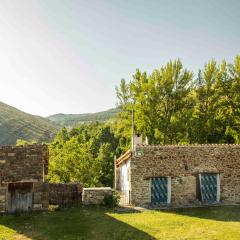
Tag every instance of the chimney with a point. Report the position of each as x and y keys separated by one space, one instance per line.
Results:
x=137 y=139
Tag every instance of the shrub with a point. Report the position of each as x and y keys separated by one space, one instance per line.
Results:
x=112 y=200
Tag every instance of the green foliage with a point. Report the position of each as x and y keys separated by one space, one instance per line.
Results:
x=172 y=106
x=21 y=142
x=84 y=154
x=112 y=201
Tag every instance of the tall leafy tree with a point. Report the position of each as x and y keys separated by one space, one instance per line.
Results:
x=170 y=105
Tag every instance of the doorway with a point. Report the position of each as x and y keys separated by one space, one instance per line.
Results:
x=20 y=197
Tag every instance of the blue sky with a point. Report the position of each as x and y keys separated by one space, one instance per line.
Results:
x=68 y=56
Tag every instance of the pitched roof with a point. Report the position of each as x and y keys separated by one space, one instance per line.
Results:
x=127 y=155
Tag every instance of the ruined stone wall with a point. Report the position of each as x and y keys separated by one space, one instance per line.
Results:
x=2 y=199
x=183 y=163
x=24 y=164
x=65 y=194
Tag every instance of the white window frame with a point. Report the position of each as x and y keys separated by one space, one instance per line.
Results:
x=218 y=188
x=169 y=190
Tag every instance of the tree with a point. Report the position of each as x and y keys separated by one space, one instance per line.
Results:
x=159 y=99
x=22 y=142
x=84 y=154
x=173 y=107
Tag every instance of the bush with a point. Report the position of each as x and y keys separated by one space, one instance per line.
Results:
x=112 y=200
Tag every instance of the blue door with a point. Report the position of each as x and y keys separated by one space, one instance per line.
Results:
x=159 y=190
x=209 y=189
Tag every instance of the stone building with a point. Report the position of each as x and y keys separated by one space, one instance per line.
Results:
x=22 y=173
x=179 y=175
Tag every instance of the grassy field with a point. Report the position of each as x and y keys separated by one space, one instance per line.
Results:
x=99 y=223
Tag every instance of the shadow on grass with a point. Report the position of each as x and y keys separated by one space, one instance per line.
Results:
x=71 y=224
x=217 y=213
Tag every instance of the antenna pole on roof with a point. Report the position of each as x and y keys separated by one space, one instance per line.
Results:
x=132 y=129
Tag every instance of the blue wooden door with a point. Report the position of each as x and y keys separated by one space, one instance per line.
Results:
x=209 y=187
x=159 y=190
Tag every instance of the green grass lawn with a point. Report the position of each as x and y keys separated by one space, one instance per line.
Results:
x=99 y=223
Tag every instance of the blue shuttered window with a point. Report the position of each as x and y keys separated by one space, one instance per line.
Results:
x=159 y=190
x=209 y=187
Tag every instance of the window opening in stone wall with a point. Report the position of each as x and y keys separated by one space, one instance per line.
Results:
x=160 y=188
x=210 y=187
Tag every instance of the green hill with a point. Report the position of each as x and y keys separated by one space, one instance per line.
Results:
x=74 y=119
x=15 y=124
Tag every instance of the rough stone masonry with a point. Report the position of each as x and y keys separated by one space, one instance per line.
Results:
x=22 y=172
x=65 y=194
x=95 y=196
x=182 y=164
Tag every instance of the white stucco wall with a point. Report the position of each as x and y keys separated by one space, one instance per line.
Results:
x=124 y=181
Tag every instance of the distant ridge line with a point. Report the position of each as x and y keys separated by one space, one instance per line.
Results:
x=75 y=119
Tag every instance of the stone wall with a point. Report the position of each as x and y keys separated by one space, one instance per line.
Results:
x=183 y=163
x=65 y=194
x=2 y=199
x=40 y=196
x=95 y=195
x=24 y=164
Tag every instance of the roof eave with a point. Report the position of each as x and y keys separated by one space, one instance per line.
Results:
x=126 y=156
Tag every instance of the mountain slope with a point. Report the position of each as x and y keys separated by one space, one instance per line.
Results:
x=15 y=124
x=74 y=119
